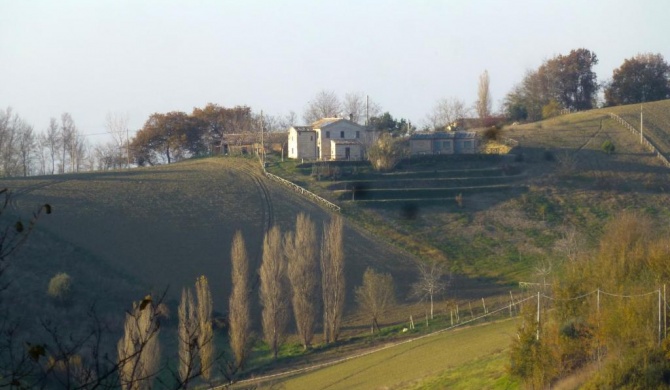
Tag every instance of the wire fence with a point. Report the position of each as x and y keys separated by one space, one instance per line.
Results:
x=643 y=139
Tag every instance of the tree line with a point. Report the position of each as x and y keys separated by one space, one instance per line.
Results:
x=568 y=82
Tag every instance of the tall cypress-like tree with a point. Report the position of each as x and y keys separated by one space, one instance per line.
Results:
x=239 y=315
x=303 y=272
x=273 y=290
x=332 y=278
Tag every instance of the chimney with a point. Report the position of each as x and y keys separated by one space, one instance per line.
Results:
x=351 y=117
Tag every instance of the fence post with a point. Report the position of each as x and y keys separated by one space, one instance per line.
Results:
x=660 y=334
x=537 y=336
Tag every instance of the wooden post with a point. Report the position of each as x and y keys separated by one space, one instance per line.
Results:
x=451 y=315
x=411 y=322
x=484 y=304
x=472 y=316
x=660 y=333
x=537 y=336
x=511 y=297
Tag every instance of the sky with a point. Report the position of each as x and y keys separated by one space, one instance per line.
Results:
x=94 y=57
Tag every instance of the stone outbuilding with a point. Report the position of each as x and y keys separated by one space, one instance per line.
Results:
x=453 y=142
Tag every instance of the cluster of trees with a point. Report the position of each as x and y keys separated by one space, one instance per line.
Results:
x=643 y=78
x=618 y=330
x=568 y=82
x=565 y=81
x=176 y=135
x=60 y=148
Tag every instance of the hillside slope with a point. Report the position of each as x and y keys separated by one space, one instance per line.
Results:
x=161 y=227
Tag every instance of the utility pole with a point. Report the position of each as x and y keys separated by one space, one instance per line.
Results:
x=128 y=148
x=367 y=110
x=641 y=125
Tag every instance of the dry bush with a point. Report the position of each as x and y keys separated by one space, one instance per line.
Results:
x=60 y=287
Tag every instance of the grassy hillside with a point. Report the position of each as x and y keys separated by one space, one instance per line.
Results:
x=124 y=234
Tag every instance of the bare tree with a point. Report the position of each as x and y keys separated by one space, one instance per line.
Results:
x=239 y=316
x=446 y=113
x=68 y=132
x=431 y=282
x=26 y=147
x=332 y=278
x=139 y=349
x=375 y=295
x=188 y=337
x=10 y=124
x=53 y=140
x=117 y=126
x=324 y=105
x=303 y=268
x=360 y=107
x=483 y=104
x=273 y=290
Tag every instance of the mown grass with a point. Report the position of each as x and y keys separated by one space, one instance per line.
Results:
x=423 y=358
x=488 y=372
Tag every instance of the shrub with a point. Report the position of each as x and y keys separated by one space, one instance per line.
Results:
x=608 y=147
x=548 y=155
x=492 y=133
x=386 y=153
x=60 y=287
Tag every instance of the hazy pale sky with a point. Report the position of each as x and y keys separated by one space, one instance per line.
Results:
x=89 y=58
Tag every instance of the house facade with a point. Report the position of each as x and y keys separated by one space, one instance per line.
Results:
x=456 y=142
x=327 y=139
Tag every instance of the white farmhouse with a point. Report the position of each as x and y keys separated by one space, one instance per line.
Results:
x=327 y=139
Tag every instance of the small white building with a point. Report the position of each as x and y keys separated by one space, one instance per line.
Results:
x=327 y=139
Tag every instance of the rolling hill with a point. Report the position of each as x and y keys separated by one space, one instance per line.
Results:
x=123 y=234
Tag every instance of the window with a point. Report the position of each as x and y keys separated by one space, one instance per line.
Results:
x=467 y=144
x=310 y=138
x=341 y=134
x=327 y=134
x=446 y=144
x=358 y=134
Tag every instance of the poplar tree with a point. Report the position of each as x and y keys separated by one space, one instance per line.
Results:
x=273 y=290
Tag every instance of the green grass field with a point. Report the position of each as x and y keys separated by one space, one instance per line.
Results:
x=426 y=363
